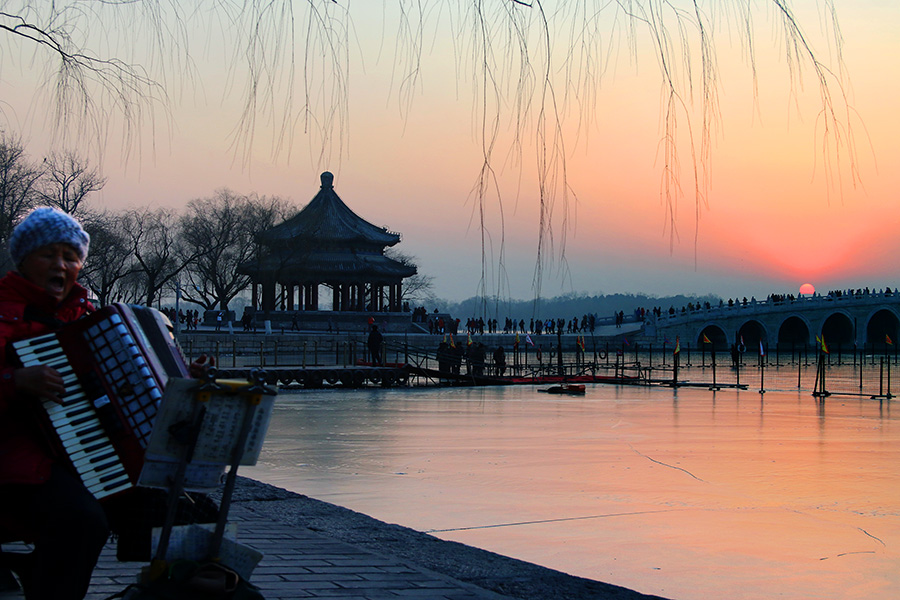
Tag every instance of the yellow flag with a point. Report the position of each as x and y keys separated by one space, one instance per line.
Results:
x=677 y=345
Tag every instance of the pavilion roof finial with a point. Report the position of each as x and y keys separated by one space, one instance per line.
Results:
x=327 y=180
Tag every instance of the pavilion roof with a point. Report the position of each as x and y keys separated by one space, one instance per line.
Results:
x=327 y=220
x=324 y=265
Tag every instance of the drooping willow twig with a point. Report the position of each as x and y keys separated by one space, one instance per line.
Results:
x=533 y=66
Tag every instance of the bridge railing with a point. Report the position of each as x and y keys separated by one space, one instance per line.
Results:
x=753 y=306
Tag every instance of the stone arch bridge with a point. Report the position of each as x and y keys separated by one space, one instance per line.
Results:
x=863 y=321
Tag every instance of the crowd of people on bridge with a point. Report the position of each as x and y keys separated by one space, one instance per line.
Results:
x=773 y=299
x=858 y=293
x=587 y=323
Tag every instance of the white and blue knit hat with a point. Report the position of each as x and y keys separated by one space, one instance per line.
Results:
x=45 y=226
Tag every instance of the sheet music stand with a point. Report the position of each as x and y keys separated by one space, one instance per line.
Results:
x=201 y=428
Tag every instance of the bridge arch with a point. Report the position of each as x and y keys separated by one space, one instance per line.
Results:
x=716 y=335
x=794 y=330
x=752 y=332
x=838 y=329
x=847 y=321
x=882 y=322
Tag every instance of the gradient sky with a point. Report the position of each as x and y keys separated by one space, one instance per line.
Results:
x=771 y=222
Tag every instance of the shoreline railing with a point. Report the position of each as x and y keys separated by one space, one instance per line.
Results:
x=865 y=373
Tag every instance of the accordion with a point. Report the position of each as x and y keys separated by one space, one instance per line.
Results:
x=115 y=363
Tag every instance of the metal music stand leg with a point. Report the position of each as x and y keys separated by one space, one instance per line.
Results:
x=230 y=480
x=158 y=564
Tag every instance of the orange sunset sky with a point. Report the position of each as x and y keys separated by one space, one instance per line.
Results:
x=771 y=221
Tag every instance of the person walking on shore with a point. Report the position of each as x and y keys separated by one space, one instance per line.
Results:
x=500 y=361
x=374 y=343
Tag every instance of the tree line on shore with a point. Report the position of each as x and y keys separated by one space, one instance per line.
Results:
x=143 y=255
x=140 y=255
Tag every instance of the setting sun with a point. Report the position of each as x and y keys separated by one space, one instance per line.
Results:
x=807 y=289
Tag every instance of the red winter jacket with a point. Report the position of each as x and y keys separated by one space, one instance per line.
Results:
x=24 y=456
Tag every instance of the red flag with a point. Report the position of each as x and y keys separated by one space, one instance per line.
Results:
x=888 y=340
x=677 y=345
x=706 y=339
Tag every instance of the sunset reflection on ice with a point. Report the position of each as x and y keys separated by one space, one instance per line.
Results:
x=687 y=495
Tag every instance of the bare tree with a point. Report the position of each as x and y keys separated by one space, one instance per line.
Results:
x=110 y=263
x=153 y=241
x=219 y=234
x=418 y=288
x=18 y=180
x=67 y=181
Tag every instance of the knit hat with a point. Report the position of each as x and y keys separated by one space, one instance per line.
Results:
x=45 y=226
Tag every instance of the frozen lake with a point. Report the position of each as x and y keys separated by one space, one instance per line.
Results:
x=689 y=495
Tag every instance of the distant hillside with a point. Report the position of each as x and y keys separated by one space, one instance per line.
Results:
x=568 y=306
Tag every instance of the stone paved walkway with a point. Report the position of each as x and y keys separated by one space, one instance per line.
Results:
x=300 y=563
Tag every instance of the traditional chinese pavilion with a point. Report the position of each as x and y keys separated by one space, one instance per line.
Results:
x=327 y=244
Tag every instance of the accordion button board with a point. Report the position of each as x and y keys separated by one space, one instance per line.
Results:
x=114 y=385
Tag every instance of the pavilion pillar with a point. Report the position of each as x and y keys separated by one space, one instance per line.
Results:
x=360 y=297
x=335 y=297
x=392 y=298
x=289 y=293
x=254 y=295
x=268 y=295
x=314 y=296
x=398 y=294
x=345 y=296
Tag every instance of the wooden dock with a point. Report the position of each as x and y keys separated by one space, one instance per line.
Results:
x=401 y=375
